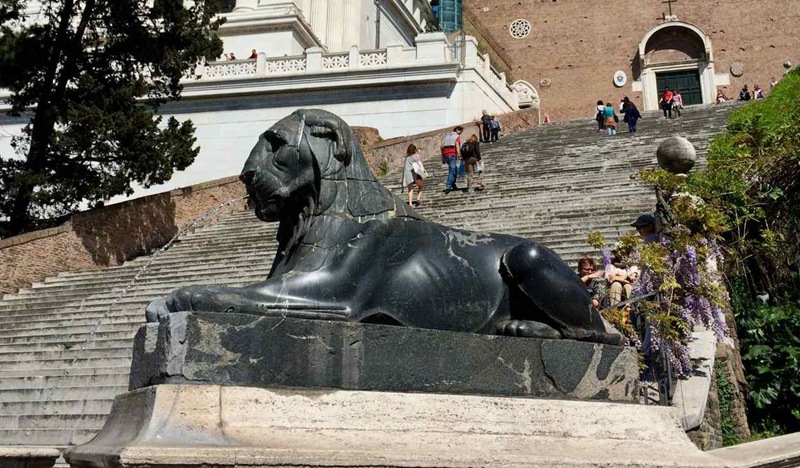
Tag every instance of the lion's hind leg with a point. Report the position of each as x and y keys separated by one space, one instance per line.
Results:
x=560 y=299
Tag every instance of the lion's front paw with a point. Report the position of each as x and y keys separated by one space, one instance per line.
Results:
x=179 y=300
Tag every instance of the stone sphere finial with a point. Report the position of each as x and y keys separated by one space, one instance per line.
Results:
x=676 y=155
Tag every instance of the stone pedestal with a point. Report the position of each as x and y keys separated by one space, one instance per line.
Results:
x=228 y=349
x=28 y=457
x=208 y=425
x=188 y=420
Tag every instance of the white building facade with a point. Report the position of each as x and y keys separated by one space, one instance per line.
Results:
x=323 y=54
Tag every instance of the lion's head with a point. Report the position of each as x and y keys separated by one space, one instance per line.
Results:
x=309 y=164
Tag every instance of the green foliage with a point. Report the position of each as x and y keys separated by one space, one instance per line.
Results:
x=727 y=395
x=748 y=197
x=669 y=183
x=770 y=339
x=626 y=244
x=595 y=239
x=89 y=76
x=753 y=182
x=383 y=168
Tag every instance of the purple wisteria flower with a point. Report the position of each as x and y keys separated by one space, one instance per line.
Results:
x=720 y=326
x=686 y=268
x=606 y=256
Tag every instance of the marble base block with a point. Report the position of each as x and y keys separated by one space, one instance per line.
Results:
x=230 y=349
x=224 y=426
x=28 y=457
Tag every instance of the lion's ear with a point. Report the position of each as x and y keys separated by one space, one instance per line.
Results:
x=327 y=125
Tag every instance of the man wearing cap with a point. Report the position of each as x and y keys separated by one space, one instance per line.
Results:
x=645 y=225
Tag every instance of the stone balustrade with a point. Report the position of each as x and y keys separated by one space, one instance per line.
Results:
x=432 y=49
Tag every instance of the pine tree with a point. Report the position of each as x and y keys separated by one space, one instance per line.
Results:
x=89 y=77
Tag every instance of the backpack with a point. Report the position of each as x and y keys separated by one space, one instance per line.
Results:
x=467 y=149
x=450 y=139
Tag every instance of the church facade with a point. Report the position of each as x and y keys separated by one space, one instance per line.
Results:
x=575 y=52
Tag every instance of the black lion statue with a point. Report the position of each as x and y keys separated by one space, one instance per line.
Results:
x=349 y=250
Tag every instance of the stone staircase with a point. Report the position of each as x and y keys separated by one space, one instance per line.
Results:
x=64 y=355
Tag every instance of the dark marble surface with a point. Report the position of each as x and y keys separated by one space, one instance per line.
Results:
x=233 y=349
x=349 y=250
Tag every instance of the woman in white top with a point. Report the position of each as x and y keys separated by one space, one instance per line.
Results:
x=413 y=174
x=598 y=116
x=677 y=102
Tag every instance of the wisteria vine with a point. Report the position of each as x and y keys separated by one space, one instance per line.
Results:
x=682 y=272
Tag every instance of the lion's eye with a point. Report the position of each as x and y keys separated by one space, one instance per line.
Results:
x=275 y=141
x=282 y=159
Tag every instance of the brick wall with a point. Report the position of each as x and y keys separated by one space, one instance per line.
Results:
x=110 y=235
x=393 y=151
x=579 y=44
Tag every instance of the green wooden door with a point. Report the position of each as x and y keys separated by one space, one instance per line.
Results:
x=688 y=82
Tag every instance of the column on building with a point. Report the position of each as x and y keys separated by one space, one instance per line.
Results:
x=352 y=33
x=334 y=36
x=319 y=18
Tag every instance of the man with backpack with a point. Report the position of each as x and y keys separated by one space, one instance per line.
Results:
x=744 y=94
x=451 y=152
x=486 y=127
x=495 y=129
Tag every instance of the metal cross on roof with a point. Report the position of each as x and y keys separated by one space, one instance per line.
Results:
x=670 y=2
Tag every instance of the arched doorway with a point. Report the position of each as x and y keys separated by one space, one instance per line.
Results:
x=676 y=55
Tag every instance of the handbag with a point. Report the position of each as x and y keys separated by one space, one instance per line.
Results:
x=418 y=169
x=479 y=167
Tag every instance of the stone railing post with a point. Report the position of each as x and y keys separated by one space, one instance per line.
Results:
x=394 y=54
x=487 y=65
x=432 y=47
x=245 y=5
x=354 y=58
x=261 y=64
x=470 y=45
x=313 y=59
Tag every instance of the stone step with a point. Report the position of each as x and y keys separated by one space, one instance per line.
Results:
x=89 y=422
x=203 y=262
x=17 y=408
x=82 y=319
x=77 y=358
x=147 y=292
x=97 y=342
x=60 y=381
x=115 y=286
x=72 y=392
x=82 y=361
x=56 y=335
x=76 y=371
x=247 y=266
x=48 y=437
x=554 y=184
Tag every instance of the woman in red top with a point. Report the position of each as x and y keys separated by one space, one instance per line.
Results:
x=666 y=102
